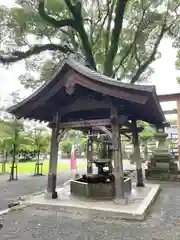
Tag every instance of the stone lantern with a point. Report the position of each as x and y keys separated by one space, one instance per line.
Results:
x=161 y=164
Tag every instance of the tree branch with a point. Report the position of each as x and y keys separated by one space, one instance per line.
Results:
x=51 y=20
x=127 y=65
x=176 y=10
x=139 y=30
x=110 y=12
x=71 y=34
x=76 y=23
x=118 y=21
x=70 y=6
x=99 y=12
x=137 y=57
x=103 y=22
x=143 y=67
x=151 y=58
x=18 y=55
x=79 y=26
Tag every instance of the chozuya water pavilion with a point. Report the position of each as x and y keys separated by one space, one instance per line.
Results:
x=80 y=98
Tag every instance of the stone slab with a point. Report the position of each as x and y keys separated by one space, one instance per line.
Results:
x=139 y=201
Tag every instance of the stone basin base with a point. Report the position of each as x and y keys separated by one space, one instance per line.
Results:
x=97 y=190
x=162 y=174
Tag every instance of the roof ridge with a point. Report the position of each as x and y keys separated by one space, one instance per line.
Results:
x=98 y=76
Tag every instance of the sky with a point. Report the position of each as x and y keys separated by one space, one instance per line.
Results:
x=164 y=77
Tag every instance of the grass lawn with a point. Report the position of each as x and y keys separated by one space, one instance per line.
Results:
x=28 y=167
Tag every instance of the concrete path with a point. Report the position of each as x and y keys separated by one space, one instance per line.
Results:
x=163 y=223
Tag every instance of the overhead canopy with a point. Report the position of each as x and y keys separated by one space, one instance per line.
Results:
x=79 y=93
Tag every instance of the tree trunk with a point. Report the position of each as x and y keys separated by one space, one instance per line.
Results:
x=4 y=162
x=38 y=163
x=13 y=163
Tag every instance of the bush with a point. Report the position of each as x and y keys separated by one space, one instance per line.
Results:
x=66 y=147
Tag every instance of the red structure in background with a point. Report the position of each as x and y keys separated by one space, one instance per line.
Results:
x=169 y=98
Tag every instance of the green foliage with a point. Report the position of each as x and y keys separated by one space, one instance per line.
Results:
x=148 y=131
x=14 y=132
x=77 y=138
x=172 y=144
x=145 y=24
x=41 y=142
x=83 y=144
x=20 y=144
x=24 y=145
x=55 y=6
x=66 y=146
x=172 y=122
x=178 y=64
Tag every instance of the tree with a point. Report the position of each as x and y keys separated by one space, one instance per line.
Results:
x=16 y=139
x=41 y=143
x=5 y=146
x=12 y=139
x=3 y=149
x=178 y=64
x=83 y=144
x=146 y=135
x=176 y=43
x=119 y=38
x=66 y=146
x=76 y=138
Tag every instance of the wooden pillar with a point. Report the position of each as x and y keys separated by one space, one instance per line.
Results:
x=89 y=154
x=137 y=155
x=51 y=186
x=118 y=164
x=178 y=126
x=109 y=150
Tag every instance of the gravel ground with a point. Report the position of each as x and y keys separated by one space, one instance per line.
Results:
x=162 y=223
x=10 y=191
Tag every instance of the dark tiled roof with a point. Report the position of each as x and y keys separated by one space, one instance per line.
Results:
x=88 y=73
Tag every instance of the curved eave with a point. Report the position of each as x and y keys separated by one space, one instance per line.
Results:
x=13 y=108
x=86 y=72
x=67 y=66
x=94 y=75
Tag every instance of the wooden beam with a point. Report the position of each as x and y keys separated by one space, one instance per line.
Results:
x=105 y=130
x=109 y=133
x=85 y=123
x=86 y=103
x=90 y=123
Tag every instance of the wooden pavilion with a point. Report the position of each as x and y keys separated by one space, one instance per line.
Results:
x=80 y=98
